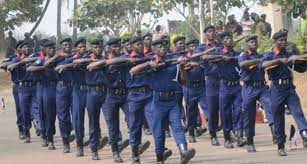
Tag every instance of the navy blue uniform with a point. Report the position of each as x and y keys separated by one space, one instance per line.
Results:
x=283 y=93
x=230 y=100
x=212 y=88
x=253 y=90
x=47 y=102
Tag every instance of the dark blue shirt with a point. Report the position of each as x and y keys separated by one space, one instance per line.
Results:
x=22 y=74
x=230 y=70
x=78 y=72
x=14 y=73
x=47 y=75
x=117 y=75
x=255 y=74
x=97 y=76
x=66 y=75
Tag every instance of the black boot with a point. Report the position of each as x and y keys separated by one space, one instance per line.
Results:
x=80 y=150
x=135 y=155
x=95 y=155
x=160 y=159
x=186 y=155
x=304 y=138
x=103 y=142
x=51 y=144
x=123 y=144
x=167 y=153
x=28 y=137
x=143 y=147
x=214 y=140
x=250 y=145
x=273 y=134
x=281 y=150
x=66 y=146
x=227 y=142
x=116 y=155
x=200 y=130
x=192 y=138
x=71 y=138
x=240 y=140
x=21 y=134
x=37 y=131
x=44 y=141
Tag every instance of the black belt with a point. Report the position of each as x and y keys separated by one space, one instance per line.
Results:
x=230 y=83
x=143 y=89
x=97 y=88
x=255 y=83
x=81 y=87
x=282 y=81
x=196 y=84
x=27 y=83
x=118 y=91
x=166 y=94
x=66 y=84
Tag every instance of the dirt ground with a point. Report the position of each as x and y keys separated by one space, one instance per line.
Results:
x=14 y=151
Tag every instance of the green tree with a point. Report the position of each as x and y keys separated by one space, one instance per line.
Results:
x=14 y=13
x=114 y=16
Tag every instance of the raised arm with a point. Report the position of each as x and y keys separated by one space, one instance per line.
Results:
x=96 y=65
x=141 y=67
x=273 y=63
x=249 y=63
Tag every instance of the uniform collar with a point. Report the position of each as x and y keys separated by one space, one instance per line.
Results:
x=250 y=52
x=147 y=50
x=41 y=54
x=210 y=42
x=46 y=58
x=22 y=56
x=76 y=55
x=134 y=54
x=227 y=50
x=278 y=51
x=189 y=54
x=95 y=57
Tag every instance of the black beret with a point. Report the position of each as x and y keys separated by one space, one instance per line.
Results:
x=113 y=41
x=23 y=43
x=65 y=40
x=160 y=41
x=135 y=39
x=147 y=35
x=80 y=41
x=224 y=34
x=126 y=40
x=251 y=37
x=48 y=43
x=178 y=38
x=279 y=34
x=208 y=27
x=43 y=41
x=192 y=41
x=18 y=44
x=96 y=42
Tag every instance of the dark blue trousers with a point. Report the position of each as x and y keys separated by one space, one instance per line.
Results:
x=63 y=109
x=282 y=95
x=17 y=105
x=110 y=110
x=193 y=97
x=28 y=105
x=166 y=109
x=94 y=101
x=250 y=96
x=212 y=88
x=139 y=104
x=78 y=110
x=49 y=109
x=230 y=102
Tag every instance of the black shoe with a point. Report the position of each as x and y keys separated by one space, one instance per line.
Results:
x=135 y=155
x=80 y=150
x=250 y=148
x=71 y=138
x=233 y=136
x=103 y=142
x=122 y=145
x=27 y=140
x=147 y=131
x=167 y=153
x=215 y=142
x=168 y=134
x=95 y=155
x=186 y=154
x=66 y=146
x=21 y=136
x=200 y=131
x=228 y=144
x=143 y=147
x=282 y=152
x=51 y=146
x=44 y=142
x=116 y=154
x=28 y=137
x=192 y=138
x=86 y=143
x=241 y=142
x=160 y=159
x=37 y=131
x=305 y=143
x=273 y=134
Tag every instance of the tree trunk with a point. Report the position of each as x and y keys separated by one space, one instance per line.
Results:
x=74 y=31
x=2 y=39
x=40 y=18
x=59 y=22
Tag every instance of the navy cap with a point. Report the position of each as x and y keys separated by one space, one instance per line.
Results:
x=48 y=43
x=208 y=27
x=18 y=44
x=192 y=41
x=96 y=42
x=160 y=41
x=80 y=41
x=65 y=40
x=126 y=40
x=135 y=39
x=251 y=37
x=147 y=35
x=42 y=42
x=114 y=41
x=178 y=38
x=279 y=34
x=224 y=34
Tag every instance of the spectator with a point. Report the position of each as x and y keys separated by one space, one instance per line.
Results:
x=259 y=27
x=267 y=25
x=158 y=33
x=10 y=44
x=233 y=26
x=246 y=23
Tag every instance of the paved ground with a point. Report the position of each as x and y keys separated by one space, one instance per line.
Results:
x=14 y=151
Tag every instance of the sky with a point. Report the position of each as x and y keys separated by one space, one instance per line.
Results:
x=48 y=24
